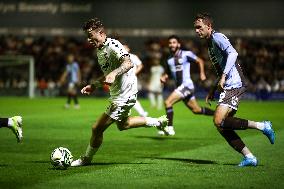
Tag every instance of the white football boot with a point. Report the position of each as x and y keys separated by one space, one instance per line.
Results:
x=82 y=161
x=17 y=127
x=169 y=131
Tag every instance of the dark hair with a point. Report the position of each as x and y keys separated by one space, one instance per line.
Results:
x=93 y=24
x=174 y=37
x=206 y=18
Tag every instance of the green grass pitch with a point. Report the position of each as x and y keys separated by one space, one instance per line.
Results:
x=197 y=157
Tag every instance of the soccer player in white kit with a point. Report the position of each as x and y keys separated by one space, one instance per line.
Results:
x=119 y=74
x=138 y=67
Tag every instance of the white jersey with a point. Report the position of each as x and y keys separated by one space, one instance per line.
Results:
x=109 y=58
x=135 y=59
x=155 y=83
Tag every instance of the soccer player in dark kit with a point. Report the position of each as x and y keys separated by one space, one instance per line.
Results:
x=178 y=65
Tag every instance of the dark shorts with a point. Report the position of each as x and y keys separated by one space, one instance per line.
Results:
x=231 y=97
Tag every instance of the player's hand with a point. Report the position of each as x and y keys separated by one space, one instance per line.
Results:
x=164 y=78
x=110 y=78
x=222 y=82
x=202 y=77
x=87 y=90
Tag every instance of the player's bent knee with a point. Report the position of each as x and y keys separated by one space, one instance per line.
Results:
x=167 y=104
x=196 y=111
x=96 y=130
x=123 y=126
x=217 y=121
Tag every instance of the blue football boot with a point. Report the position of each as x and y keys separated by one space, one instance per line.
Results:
x=268 y=131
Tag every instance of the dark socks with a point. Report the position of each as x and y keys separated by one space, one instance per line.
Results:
x=68 y=99
x=233 y=139
x=233 y=123
x=3 y=122
x=75 y=99
x=207 y=111
x=170 y=115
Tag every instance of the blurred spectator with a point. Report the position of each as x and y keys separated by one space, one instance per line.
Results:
x=42 y=86
x=263 y=89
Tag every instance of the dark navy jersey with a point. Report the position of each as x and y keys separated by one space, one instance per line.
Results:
x=179 y=66
x=223 y=57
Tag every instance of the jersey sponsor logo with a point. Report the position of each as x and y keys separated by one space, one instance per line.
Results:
x=186 y=93
x=178 y=68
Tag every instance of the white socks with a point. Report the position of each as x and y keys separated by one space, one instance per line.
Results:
x=90 y=152
x=260 y=125
x=139 y=109
x=10 y=122
x=152 y=122
x=250 y=155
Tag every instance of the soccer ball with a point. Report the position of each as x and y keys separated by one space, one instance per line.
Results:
x=61 y=158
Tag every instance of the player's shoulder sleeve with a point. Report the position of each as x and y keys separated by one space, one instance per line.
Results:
x=77 y=66
x=221 y=40
x=191 y=57
x=117 y=48
x=68 y=67
x=135 y=59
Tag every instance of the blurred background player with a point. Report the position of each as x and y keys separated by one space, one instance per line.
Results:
x=178 y=65
x=231 y=84
x=73 y=76
x=138 y=67
x=155 y=86
x=15 y=124
x=119 y=74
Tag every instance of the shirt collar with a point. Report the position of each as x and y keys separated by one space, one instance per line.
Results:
x=104 y=43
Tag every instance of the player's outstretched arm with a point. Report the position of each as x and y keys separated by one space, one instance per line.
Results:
x=96 y=84
x=123 y=68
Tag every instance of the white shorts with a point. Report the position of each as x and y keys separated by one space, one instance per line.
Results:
x=121 y=109
x=72 y=87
